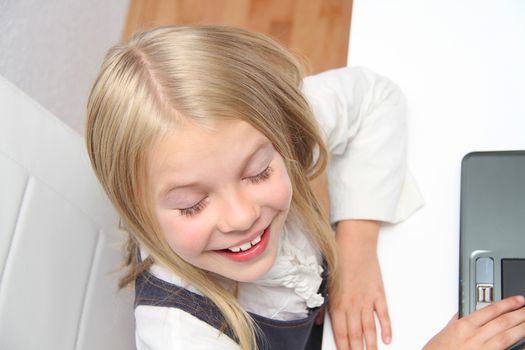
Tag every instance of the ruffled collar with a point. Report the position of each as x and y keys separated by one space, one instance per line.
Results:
x=297 y=266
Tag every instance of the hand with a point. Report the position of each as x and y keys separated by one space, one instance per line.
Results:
x=361 y=293
x=497 y=326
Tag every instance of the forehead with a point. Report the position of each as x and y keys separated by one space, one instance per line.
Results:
x=191 y=150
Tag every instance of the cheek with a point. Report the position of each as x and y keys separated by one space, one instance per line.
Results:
x=280 y=191
x=186 y=238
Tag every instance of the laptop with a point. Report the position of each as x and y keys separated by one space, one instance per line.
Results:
x=492 y=229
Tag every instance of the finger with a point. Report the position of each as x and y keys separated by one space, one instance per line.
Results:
x=339 y=330
x=497 y=327
x=487 y=314
x=508 y=338
x=355 y=331
x=369 y=330
x=453 y=319
x=384 y=320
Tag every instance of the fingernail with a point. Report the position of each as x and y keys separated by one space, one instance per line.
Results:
x=520 y=298
x=388 y=339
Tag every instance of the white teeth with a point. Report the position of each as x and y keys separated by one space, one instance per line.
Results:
x=256 y=240
x=246 y=245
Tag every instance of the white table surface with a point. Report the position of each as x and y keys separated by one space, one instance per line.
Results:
x=461 y=66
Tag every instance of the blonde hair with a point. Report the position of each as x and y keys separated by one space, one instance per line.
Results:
x=200 y=72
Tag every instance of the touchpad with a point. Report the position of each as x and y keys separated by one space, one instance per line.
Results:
x=512 y=277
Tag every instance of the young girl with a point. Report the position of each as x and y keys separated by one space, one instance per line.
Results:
x=203 y=140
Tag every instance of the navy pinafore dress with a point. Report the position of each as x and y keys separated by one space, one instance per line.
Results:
x=299 y=334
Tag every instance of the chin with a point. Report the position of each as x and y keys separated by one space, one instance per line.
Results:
x=251 y=276
x=254 y=272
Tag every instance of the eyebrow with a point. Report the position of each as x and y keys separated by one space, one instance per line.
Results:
x=170 y=187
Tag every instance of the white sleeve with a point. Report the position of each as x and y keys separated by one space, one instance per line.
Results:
x=164 y=328
x=363 y=116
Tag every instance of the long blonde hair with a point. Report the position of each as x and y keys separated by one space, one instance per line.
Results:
x=200 y=72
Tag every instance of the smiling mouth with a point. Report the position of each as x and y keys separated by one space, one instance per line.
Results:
x=244 y=247
x=248 y=250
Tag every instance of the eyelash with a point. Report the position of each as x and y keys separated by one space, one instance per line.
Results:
x=194 y=209
x=264 y=175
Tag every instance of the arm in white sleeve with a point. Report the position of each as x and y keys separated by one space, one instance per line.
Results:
x=363 y=116
x=164 y=328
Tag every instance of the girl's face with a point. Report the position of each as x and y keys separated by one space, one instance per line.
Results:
x=221 y=196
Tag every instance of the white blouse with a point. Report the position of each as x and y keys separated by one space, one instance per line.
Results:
x=363 y=116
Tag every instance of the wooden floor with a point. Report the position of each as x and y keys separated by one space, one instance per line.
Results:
x=316 y=30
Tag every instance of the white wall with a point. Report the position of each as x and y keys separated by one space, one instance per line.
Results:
x=462 y=67
x=52 y=49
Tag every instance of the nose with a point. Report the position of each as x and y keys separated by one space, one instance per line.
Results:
x=238 y=211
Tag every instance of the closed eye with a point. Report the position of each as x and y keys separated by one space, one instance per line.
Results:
x=195 y=209
x=262 y=176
